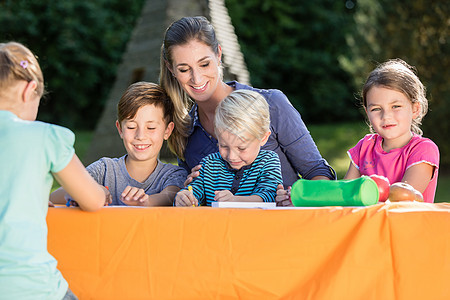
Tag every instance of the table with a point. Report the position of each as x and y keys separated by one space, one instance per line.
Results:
x=384 y=251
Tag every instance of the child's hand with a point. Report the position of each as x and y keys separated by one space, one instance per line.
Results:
x=185 y=198
x=70 y=201
x=194 y=173
x=283 y=197
x=50 y=204
x=224 y=196
x=134 y=196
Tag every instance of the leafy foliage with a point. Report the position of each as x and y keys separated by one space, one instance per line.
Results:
x=79 y=45
x=296 y=46
x=317 y=52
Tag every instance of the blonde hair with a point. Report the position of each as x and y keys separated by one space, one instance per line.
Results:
x=17 y=62
x=243 y=111
x=397 y=75
x=178 y=33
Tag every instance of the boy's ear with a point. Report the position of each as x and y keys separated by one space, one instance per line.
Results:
x=169 y=130
x=265 y=138
x=119 y=128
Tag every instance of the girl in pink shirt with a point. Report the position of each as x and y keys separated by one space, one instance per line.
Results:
x=395 y=103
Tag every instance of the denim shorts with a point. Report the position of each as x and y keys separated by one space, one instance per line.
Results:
x=69 y=295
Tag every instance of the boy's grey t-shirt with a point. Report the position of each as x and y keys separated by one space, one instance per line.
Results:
x=112 y=172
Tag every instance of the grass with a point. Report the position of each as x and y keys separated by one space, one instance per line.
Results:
x=333 y=141
x=82 y=142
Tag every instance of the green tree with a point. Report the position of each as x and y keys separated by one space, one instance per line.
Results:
x=79 y=45
x=296 y=46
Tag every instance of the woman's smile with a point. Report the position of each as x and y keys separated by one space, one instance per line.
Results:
x=196 y=68
x=200 y=88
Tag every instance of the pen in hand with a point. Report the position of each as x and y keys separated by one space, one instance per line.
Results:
x=190 y=190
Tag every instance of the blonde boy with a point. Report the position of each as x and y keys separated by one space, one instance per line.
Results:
x=240 y=171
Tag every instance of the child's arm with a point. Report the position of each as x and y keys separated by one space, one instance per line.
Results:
x=185 y=198
x=165 y=197
x=352 y=172
x=58 y=197
x=139 y=198
x=418 y=176
x=194 y=192
x=76 y=181
x=355 y=155
x=225 y=195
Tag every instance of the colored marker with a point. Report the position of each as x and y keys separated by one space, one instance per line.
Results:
x=190 y=190
x=107 y=204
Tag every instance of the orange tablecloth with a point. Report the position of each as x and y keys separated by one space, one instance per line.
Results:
x=392 y=251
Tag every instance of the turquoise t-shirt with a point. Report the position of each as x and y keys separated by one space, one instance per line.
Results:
x=29 y=153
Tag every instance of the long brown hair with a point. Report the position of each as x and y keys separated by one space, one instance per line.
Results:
x=180 y=33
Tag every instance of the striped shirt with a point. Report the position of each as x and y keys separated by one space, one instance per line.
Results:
x=259 y=178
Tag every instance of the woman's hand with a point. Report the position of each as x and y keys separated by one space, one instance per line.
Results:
x=194 y=173
x=185 y=198
x=283 y=197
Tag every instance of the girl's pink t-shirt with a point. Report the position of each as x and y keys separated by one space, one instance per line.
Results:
x=369 y=158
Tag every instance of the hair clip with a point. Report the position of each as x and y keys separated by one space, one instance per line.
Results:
x=24 y=64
